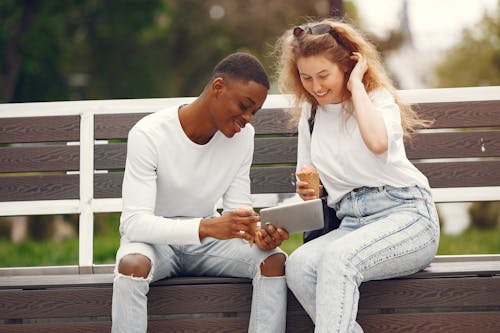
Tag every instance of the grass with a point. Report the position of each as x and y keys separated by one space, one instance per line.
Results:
x=471 y=241
x=47 y=253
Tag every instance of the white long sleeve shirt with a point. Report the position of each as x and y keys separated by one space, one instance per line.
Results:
x=171 y=183
x=343 y=161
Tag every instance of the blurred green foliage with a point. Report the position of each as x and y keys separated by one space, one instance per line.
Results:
x=87 y=49
x=475 y=59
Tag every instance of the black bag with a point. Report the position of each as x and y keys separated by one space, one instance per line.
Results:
x=329 y=214
x=331 y=223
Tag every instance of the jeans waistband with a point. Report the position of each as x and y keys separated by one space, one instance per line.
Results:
x=368 y=188
x=387 y=187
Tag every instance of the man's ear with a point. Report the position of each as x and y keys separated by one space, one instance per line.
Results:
x=218 y=86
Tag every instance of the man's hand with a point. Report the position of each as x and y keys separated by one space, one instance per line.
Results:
x=269 y=237
x=240 y=223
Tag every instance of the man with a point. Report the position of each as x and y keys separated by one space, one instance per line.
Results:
x=180 y=162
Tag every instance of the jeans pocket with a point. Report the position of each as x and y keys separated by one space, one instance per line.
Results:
x=401 y=194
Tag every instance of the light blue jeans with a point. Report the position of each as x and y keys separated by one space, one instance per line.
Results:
x=385 y=232
x=213 y=257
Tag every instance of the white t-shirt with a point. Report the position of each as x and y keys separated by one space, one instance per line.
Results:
x=170 y=182
x=338 y=152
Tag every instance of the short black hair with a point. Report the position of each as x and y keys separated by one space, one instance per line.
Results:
x=242 y=66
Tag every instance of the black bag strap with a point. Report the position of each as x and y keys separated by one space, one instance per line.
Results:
x=314 y=107
x=312 y=117
x=329 y=215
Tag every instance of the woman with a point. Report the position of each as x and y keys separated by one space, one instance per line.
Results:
x=389 y=222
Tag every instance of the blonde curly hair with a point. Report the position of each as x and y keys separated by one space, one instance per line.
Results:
x=346 y=39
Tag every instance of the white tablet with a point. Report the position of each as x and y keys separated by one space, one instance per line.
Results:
x=296 y=217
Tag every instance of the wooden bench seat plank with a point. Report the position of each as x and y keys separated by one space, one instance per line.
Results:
x=430 y=293
x=115 y=126
x=461 y=174
x=273 y=121
x=43 y=158
x=465 y=322
x=96 y=301
x=279 y=179
x=222 y=325
x=264 y=180
x=73 y=327
x=284 y=149
x=39 y=187
x=31 y=282
x=454 y=145
x=461 y=114
x=110 y=156
x=276 y=121
x=40 y=129
x=267 y=150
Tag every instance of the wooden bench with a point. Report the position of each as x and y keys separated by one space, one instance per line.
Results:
x=78 y=169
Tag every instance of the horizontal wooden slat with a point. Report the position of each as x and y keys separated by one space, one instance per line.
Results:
x=200 y=299
x=468 y=322
x=115 y=126
x=462 y=322
x=110 y=156
x=215 y=325
x=278 y=179
x=484 y=322
x=461 y=114
x=40 y=129
x=96 y=301
x=43 y=158
x=461 y=174
x=108 y=185
x=264 y=180
x=454 y=145
x=69 y=280
x=299 y=322
x=267 y=150
x=425 y=294
x=272 y=180
x=273 y=121
x=43 y=187
x=275 y=150
x=430 y=293
x=74 y=326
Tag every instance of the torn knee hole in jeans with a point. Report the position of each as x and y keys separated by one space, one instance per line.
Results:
x=135 y=278
x=149 y=278
x=271 y=265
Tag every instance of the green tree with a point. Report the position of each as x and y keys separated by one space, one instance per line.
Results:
x=87 y=49
x=475 y=59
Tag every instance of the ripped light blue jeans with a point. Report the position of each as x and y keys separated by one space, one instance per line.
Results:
x=385 y=232
x=213 y=257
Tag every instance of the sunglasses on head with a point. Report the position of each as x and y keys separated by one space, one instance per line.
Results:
x=318 y=29
x=321 y=29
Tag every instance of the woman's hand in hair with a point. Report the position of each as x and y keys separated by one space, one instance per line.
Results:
x=358 y=71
